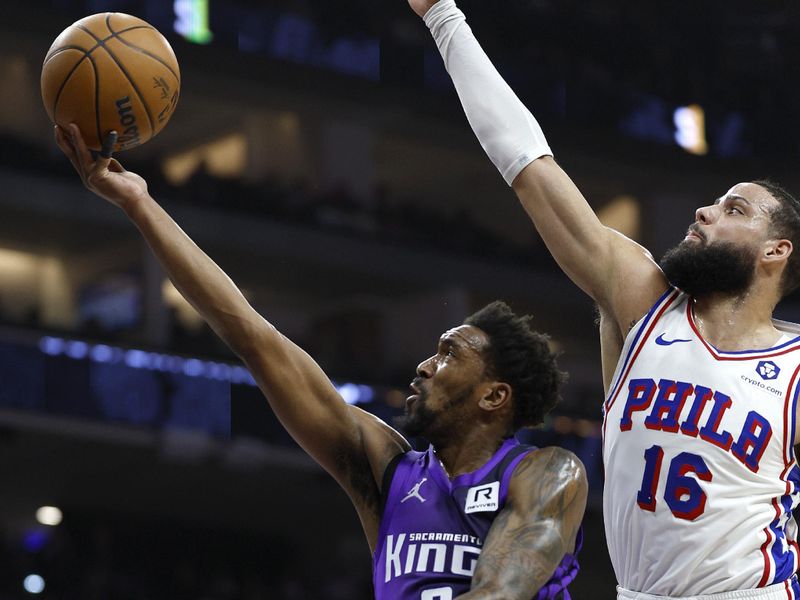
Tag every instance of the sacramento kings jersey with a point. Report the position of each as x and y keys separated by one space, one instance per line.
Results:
x=701 y=476
x=433 y=529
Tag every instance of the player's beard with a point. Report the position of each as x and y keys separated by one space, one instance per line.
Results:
x=419 y=420
x=699 y=269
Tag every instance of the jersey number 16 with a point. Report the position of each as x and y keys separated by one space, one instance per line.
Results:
x=683 y=494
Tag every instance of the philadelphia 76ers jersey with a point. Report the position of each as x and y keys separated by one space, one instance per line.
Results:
x=701 y=476
x=432 y=529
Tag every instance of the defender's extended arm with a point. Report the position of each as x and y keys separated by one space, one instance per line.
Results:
x=615 y=271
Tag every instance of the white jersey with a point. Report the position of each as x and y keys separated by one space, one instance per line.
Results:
x=701 y=476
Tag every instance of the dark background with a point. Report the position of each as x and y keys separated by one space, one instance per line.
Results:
x=320 y=155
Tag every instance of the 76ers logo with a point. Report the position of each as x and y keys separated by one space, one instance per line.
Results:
x=768 y=370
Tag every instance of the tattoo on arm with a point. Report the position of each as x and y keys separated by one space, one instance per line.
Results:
x=536 y=528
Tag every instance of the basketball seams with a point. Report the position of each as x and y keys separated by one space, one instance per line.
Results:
x=96 y=90
x=97 y=45
x=118 y=35
x=158 y=59
x=67 y=83
x=66 y=80
x=128 y=77
x=96 y=98
x=61 y=49
x=127 y=29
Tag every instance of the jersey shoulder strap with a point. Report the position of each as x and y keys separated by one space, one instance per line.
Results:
x=388 y=475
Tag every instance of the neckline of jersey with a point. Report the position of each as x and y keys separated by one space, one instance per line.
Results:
x=718 y=354
x=473 y=477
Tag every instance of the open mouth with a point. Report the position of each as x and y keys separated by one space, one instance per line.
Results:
x=415 y=391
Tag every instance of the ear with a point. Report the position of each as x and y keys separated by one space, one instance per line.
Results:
x=496 y=395
x=778 y=250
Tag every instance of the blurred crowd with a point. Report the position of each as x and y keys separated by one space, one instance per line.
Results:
x=92 y=558
x=610 y=64
x=382 y=217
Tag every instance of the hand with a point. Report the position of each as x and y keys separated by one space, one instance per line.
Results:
x=421 y=6
x=101 y=174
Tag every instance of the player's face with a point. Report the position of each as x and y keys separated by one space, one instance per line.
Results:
x=741 y=216
x=446 y=384
x=721 y=248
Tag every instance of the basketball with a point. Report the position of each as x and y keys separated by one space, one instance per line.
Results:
x=111 y=71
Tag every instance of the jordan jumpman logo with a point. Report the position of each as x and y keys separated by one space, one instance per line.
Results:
x=414 y=491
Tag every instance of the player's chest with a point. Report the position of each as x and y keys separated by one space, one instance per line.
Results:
x=678 y=393
x=425 y=505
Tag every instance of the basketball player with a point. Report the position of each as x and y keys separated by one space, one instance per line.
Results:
x=700 y=413
x=477 y=516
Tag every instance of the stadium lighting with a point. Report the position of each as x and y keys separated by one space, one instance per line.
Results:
x=191 y=20
x=33 y=584
x=690 y=129
x=49 y=515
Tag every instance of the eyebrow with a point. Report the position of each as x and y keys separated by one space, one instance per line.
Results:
x=736 y=196
x=452 y=341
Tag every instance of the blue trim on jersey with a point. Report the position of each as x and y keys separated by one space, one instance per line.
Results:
x=769 y=350
x=793 y=417
x=794 y=478
x=795 y=586
x=642 y=327
x=782 y=553
x=764 y=351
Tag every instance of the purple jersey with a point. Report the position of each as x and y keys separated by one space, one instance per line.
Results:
x=432 y=529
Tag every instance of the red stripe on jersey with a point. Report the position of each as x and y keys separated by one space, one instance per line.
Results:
x=713 y=351
x=764 y=546
x=624 y=375
x=789 y=417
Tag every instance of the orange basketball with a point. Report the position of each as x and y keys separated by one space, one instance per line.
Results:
x=111 y=71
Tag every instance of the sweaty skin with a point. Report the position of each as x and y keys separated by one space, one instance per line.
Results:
x=547 y=493
x=732 y=312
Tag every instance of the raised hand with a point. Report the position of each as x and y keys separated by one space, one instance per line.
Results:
x=421 y=6
x=101 y=174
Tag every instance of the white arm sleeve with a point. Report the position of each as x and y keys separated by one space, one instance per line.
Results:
x=509 y=134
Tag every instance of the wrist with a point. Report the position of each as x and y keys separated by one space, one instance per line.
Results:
x=440 y=11
x=135 y=205
x=507 y=131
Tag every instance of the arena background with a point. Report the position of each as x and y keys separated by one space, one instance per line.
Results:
x=319 y=154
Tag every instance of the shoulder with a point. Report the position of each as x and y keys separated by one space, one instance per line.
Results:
x=373 y=426
x=380 y=443
x=638 y=285
x=550 y=459
x=787 y=327
x=546 y=473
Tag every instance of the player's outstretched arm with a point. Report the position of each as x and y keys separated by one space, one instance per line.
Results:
x=616 y=272
x=352 y=445
x=536 y=528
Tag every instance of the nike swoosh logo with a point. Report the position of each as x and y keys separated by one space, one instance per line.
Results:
x=662 y=342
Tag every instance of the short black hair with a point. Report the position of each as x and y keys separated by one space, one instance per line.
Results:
x=521 y=357
x=785 y=224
